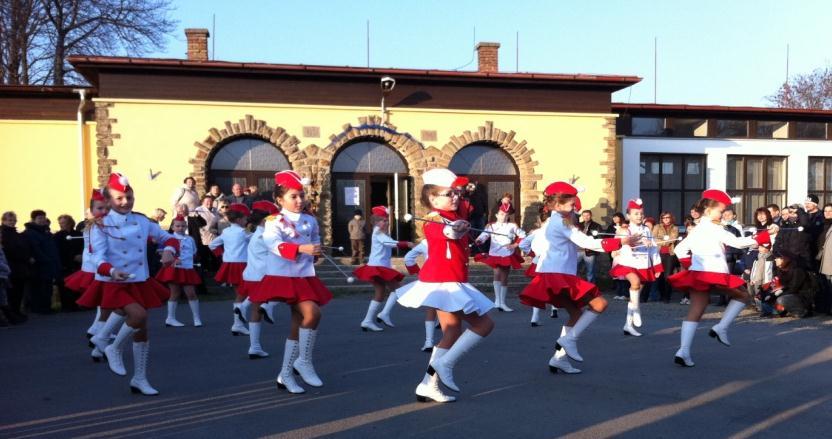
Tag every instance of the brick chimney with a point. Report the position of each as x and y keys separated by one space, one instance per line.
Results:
x=197 y=44
x=487 y=57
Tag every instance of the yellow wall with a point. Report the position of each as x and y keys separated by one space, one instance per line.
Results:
x=41 y=168
x=160 y=136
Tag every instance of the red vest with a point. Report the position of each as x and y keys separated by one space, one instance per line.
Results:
x=447 y=259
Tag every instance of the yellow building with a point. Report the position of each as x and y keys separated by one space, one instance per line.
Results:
x=361 y=142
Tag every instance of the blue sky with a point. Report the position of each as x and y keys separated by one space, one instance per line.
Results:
x=730 y=52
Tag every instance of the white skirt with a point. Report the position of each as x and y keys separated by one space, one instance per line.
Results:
x=444 y=296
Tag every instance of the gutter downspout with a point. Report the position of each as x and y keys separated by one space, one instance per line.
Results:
x=82 y=94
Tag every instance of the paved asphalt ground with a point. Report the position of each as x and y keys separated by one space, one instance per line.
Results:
x=776 y=381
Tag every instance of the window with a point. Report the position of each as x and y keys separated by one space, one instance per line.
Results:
x=648 y=126
x=731 y=128
x=671 y=182
x=493 y=170
x=369 y=158
x=810 y=130
x=249 y=162
x=688 y=127
x=772 y=130
x=758 y=180
x=820 y=178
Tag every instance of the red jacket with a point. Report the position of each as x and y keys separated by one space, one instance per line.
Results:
x=447 y=259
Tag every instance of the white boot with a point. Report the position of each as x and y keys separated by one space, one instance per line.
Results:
x=240 y=311
x=683 y=357
x=634 y=303
x=569 y=342
x=384 y=315
x=497 y=302
x=560 y=361
x=139 y=383
x=720 y=330
x=503 y=294
x=428 y=389
x=255 y=351
x=629 y=329
x=238 y=328
x=430 y=329
x=286 y=379
x=115 y=351
x=102 y=338
x=535 y=317
x=96 y=355
x=171 y=320
x=444 y=366
x=194 y=304
x=267 y=311
x=96 y=324
x=304 y=366
x=369 y=324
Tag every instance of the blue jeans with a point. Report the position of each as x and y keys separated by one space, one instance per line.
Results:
x=589 y=261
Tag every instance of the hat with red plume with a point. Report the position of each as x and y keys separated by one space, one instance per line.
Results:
x=97 y=195
x=635 y=204
x=239 y=207
x=265 y=206
x=290 y=180
x=719 y=195
x=118 y=182
x=380 y=211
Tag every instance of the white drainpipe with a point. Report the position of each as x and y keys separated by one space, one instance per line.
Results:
x=82 y=93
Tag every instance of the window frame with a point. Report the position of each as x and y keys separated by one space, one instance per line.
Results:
x=746 y=217
x=703 y=160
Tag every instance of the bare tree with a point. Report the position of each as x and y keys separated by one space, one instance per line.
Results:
x=810 y=91
x=21 y=41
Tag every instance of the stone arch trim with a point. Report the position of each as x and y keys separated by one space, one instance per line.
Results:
x=519 y=151
x=246 y=127
x=415 y=156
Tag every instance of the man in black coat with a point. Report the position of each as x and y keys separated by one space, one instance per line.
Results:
x=47 y=265
x=792 y=240
x=587 y=226
x=19 y=254
x=69 y=251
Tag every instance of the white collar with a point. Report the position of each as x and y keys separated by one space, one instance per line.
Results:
x=292 y=216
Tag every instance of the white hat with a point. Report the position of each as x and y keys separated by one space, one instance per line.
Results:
x=440 y=177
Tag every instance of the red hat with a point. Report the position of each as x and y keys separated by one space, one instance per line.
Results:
x=238 y=207
x=719 y=195
x=577 y=204
x=290 y=179
x=763 y=239
x=118 y=182
x=635 y=204
x=265 y=206
x=380 y=211
x=460 y=182
x=561 y=187
x=97 y=195
x=179 y=218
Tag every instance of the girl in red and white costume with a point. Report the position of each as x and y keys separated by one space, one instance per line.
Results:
x=556 y=282
x=379 y=270
x=256 y=258
x=443 y=285
x=412 y=265
x=83 y=278
x=293 y=240
x=502 y=253
x=709 y=271
x=181 y=276
x=636 y=264
x=118 y=248
x=234 y=240
x=525 y=246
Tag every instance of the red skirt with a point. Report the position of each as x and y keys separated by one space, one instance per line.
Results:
x=79 y=281
x=115 y=295
x=371 y=273
x=644 y=274
x=502 y=262
x=531 y=271
x=230 y=273
x=248 y=287
x=557 y=289
x=179 y=276
x=291 y=290
x=703 y=281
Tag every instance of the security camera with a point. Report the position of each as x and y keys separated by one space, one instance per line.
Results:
x=387 y=84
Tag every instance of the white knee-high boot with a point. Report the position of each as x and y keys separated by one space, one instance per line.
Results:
x=498 y=288
x=430 y=330
x=239 y=325
x=115 y=351
x=384 y=315
x=255 y=351
x=636 y=307
x=141 y=358
x=720 y=330
x=102 y=338
x=286 y=379
x=96 y=324
x=560 y=361
x=444 y=366
x=569 y=342
x=369 y=323
x=503 y=294
x=683 y=357
x=428 y=389
x=535 y=317
x=304 y=366
x=171 y=320
x=194 y=305
x=629 y=329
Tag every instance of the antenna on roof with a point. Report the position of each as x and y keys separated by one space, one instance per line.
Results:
x=787 y=63
x=368 y=44
x=655 y=67
x=517 y=52
x=214 y=37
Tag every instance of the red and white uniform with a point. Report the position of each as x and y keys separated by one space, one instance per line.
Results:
x=257 y=255
x=525 y=246
x=706 y=246
x=379 y=267
x=557 y=248
x=643 y=260
x=290 y=275
x=181 y=273
x=234 y=240
x=443 y=279
x=119 y=243
x=498 y=254
x=81 y=279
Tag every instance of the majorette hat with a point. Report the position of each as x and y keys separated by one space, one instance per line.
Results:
x=241 y=208
x=290 y=179
x=562 y=187
x=179 y=218
x=118 y=182
x=635 y=204
x=265 y=206
x=719 y=195
x=577 y=204
x=443 y=177
x=97 y=195
x=380 y=211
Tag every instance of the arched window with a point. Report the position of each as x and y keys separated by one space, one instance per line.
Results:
x=249 y=162
x=494 y=172
x=369 y=158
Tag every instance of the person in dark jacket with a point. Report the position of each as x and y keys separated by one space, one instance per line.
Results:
x=587 y=257
x=19 y=254
x=791 y=238
x=69 y=251
x=792 y=291
x=47 y=266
